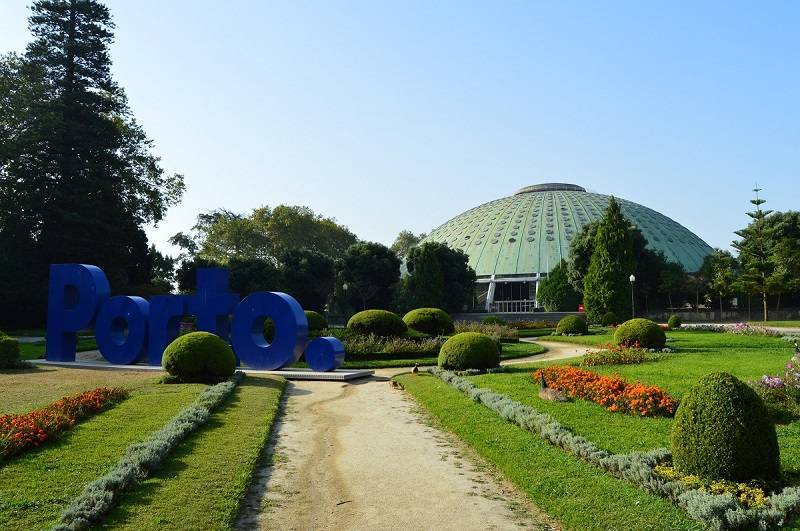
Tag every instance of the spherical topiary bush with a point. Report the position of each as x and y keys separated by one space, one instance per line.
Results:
x=469 y=350
x=432 y=321
x=643 y=332
x=199 y=357
x=492 y=320
x=674 y=322
x=609 y=319
x=379 y=322
x=572 y=325
x=9 y=352
x=722 y=431
x=316 y=321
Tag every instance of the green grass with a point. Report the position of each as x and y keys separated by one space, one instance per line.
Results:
x=536 y=332
x=34 y=351
x=777 y=324
x=202 y=484
x=747 y=357
x=38 y=485
x=577 y=494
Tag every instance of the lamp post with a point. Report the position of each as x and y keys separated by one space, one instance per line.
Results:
x=632 y=278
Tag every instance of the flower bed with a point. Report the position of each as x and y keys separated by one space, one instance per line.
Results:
x=29 y=430
x=617 y=355
x=611 y=392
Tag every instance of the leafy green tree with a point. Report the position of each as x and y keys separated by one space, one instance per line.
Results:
x=580 y=254
x=755 y=251
x=672 y=280
x=556 y=293
x=309 y=277
x=248 y=275
x=186 y=273
x=406 y=241
x=784 y=227
x=439 y=277
x=719 y=270
x=606 y=284
x=77 y=175
x=368 y=273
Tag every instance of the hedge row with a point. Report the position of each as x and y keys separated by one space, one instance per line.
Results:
x=718 y=511
x=99 y=496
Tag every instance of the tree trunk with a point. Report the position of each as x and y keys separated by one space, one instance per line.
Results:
x=669 y=300
x=766 y=308
x=778 y=306
x=720 y=306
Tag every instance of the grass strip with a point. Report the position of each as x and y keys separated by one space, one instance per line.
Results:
x=717 y=511
x=203 y=483
x=580 y=496
x=36 y=486
x=140 y=459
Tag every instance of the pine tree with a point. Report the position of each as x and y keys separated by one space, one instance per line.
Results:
x=605 y=288
x=755 y=250
x=555 y=292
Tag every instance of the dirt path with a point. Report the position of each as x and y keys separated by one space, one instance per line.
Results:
x=361 y=456
x=555 y=351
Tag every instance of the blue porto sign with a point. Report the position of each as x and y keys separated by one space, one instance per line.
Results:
x=130 y=329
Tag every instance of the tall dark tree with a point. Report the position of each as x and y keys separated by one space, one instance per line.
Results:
x=606 y=286
x=755 y=251
x=440 y=277
x=73 y=157
x=720 y=271
x=672 y=281
x=309 y=277
x=370 y=272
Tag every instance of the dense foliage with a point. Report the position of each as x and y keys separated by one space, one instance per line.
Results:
x=674 y=322
x=406 y=241
x=609 y=319
x=308 y=276
x=572 y=325
x=381 y=323
x=493 y=320
x=199 y=357
x=9 y=352
x=316 y=321
x=431 y=321
x=78 y=180
x=22 y=432
x=722 y=431
x=438 y=277
x=368 y=273
x=555 y=292
x=606 y=285
x=611 y=392
x=469 y=350
x=640 y=332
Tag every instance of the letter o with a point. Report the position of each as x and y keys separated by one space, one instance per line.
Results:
x=116 y=315
x=325 y=354
x=291 y=330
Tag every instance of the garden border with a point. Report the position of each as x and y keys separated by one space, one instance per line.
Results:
x=99 y=496
x=718 y=511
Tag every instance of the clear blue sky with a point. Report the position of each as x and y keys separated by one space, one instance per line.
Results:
x=391 y=116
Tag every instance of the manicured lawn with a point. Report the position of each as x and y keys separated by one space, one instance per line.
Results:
x=37 y=486
x=777 y=324
x=34 y=351
x=747 y=357
x=202 y=484
x=577 y=494
x=24 y=390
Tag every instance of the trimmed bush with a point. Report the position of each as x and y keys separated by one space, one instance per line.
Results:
x=316 y=321
x=572 y=325
x=643 y=332
x=431 y=321
x=199 y=357
x=469 y=350
x=493 y=320
x=9 y=352
x=674 y=322
x=722 y=430
x=609 y=319
x=378 y=322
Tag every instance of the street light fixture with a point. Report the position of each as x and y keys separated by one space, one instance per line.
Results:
x=632 y=278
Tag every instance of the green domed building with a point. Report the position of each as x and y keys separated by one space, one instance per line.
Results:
x=513 y=242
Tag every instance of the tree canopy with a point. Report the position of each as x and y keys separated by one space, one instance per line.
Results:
x=439 y=277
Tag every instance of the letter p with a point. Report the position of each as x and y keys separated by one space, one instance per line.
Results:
x=75 y=293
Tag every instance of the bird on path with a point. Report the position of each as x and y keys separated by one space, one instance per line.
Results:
x=415 y=370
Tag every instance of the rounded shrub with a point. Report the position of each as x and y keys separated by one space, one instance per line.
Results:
x=609 y=319
x=572 y=325
x=431 y=321
x=199 y=357
x=9 y=352
x=492 y=320
x=674 y=322
x=642 y=331
x=378 y=322
x=722 y=430
x=316 y=321
x=469 y=350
